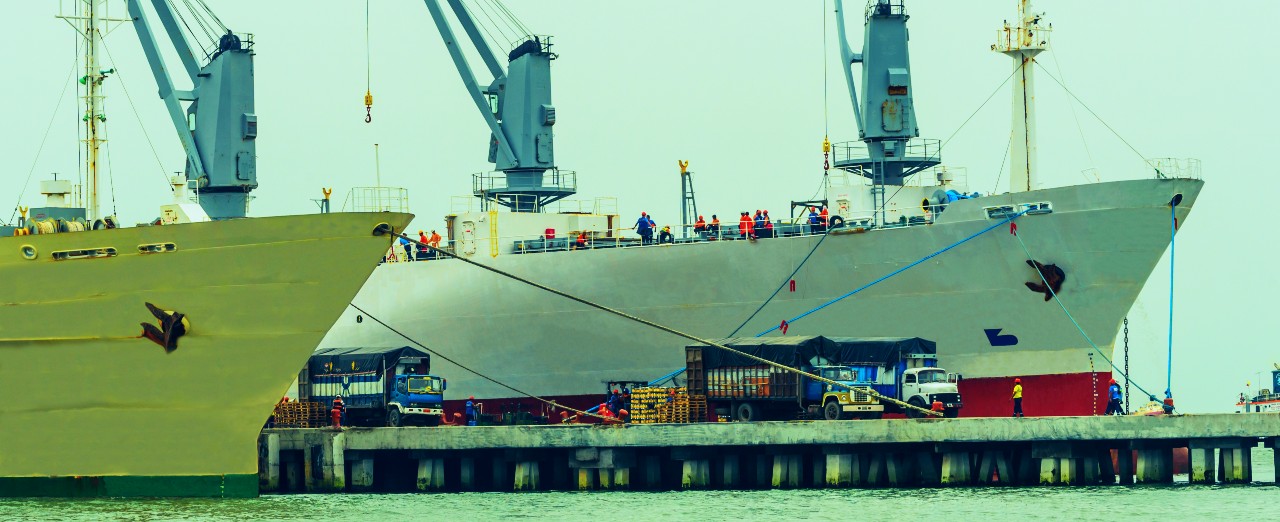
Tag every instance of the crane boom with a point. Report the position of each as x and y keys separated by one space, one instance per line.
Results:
x=218 y=128
x=516 y=106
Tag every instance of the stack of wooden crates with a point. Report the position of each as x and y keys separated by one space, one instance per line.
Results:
x=650 y=405
x=301 y=414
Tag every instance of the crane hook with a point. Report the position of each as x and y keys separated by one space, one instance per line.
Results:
x=368 y=106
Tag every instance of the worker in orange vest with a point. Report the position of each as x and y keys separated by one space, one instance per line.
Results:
x=339 y=412
x=700 y=225
x=822 y=217
x=581 y=241
x=714 y=228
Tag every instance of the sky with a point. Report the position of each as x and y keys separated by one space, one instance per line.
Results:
x=745 y=91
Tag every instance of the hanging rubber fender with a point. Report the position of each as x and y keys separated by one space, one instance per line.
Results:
x=836 y=222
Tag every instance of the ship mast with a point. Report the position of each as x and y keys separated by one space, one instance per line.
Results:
x=1022 y=43
x=91 y=23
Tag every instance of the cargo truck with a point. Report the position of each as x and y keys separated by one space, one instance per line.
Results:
x=900 y=368
x=380 y=386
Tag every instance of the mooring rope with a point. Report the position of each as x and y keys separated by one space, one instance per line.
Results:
x=1173 y=232
x=1080 y=329
x=786 y=280
x=678 y=333
x=481 y=375
x=894 y=273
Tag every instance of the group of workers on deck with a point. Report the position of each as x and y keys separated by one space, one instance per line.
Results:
x=749 y=227
x=423 y=253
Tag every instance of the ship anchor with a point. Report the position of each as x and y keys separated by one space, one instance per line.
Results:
x=1050 y=274
x=172 y=326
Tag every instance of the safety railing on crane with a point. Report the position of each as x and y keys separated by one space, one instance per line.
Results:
x=915 y=149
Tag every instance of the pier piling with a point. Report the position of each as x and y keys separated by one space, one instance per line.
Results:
x=1070 y=451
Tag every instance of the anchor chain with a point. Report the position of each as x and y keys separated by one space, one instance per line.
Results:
x=1094 y=374
x=1126 y=365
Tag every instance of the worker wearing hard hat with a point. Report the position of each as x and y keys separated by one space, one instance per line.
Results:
x=1017 y=397
x=1113 y=399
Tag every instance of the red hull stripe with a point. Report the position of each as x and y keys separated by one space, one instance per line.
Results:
x=1056 y=395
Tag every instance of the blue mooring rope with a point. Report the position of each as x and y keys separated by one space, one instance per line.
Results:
x=784 y=283
x=863 y=287
x=1173 y=232
x=1056 y=299
x=896 y=272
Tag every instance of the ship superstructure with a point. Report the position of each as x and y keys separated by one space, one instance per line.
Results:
x=143 y=361
x=960 y=275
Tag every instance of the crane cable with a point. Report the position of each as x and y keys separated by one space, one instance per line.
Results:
x=368 y=69
x=678 y=333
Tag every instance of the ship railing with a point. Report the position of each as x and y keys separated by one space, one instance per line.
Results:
x=936 y=176
x=552 y=179
x=601 y=206
x=628 y=238
x=885 y=7
x=376 y=199
x=1178 y=168
x=915 y=148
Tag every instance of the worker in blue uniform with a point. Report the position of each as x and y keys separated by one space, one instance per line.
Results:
x=644 y=227
x=1113 y=399
x=471 y=410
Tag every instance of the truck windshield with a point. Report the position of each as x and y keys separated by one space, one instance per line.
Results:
x=928 y=376
x=839 y=374
x=424 y=385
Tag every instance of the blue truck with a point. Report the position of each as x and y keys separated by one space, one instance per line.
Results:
x=748 y=390
x=379 y=386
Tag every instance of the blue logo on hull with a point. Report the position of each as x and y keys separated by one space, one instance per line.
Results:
x=994 y=337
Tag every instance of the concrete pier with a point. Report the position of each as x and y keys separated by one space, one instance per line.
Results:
x=1061 y=451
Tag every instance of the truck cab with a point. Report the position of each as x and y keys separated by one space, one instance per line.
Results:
x=843 y=403
x=921 y=386
x=416 y=395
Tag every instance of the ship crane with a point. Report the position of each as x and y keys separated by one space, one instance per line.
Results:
x=218 y=127
x=890 y=148
x=517 y=107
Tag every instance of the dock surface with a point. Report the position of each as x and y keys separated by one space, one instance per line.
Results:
x=863 y=453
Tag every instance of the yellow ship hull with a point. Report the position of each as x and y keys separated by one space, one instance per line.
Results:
x=89 y=406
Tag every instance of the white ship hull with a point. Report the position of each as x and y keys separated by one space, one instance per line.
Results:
x=1107 y=237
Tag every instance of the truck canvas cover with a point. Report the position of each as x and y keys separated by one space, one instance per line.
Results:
x=346 y=361
x=799 y=350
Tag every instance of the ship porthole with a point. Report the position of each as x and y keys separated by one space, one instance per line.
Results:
x=359 y=318
x=29 y=251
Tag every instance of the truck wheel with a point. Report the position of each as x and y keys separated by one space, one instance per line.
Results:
x=393 y=418
x=951 y=413
x=746 y=412
x=919 y=403
x=833 y=411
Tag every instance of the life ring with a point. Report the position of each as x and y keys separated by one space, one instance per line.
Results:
x=836 y=222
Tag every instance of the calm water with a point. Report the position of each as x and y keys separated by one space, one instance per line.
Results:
x=1178 y=502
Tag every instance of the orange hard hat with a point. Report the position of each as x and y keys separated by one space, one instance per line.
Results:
x=643 y=214
x=1113 y=381
x=471 y=397
x=1017 y=381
